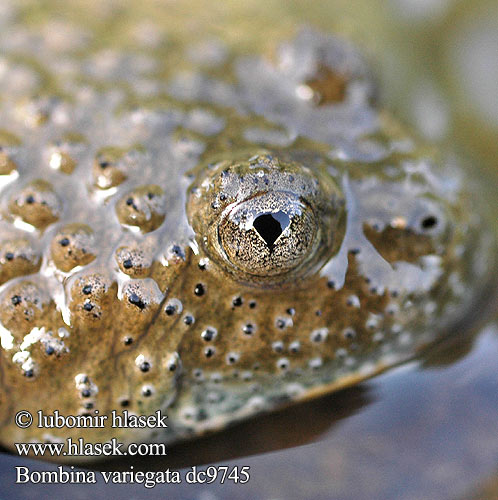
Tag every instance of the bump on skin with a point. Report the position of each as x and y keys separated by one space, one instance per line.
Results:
x=37 y=204
x=112 y=166
x=144 y=207
x=7 y=164
x=135 y=261
x=62 y=155
x=73 y=245
x=18 y=257
x=25 y=305
x=92 y=301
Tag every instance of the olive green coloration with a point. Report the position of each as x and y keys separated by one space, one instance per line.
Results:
x=211 y=232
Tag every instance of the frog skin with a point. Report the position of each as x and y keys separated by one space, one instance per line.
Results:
x=214 y=240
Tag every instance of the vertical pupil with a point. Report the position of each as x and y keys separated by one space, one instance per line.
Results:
x=270 y=226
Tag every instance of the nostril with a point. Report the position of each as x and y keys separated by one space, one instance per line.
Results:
x=270 y=226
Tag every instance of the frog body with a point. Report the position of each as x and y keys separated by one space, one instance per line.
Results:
x=215 y=241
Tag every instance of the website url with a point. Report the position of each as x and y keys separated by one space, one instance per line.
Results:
x=81 y=448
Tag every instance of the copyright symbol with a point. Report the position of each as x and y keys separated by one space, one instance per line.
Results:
x=23 y=419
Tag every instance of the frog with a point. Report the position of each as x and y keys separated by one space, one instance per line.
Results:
x=209 y=234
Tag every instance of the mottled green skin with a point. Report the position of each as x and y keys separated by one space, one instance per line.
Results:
x=119 y=285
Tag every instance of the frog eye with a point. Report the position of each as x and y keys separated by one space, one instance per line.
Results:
x=266 y=221
x=269 y=234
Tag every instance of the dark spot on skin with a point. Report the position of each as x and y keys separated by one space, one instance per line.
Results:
x=128 y=340
x=429 y=222
x=318 y=313
x=9 y=255
x=87 y=289
x=136 y=301
x=88 y=406
x=278 y=347
x=145 y=366
x=178 y=251
x=349 y=334
x=248 y=329
x=85 y=393
x=237 y=301
x=64 y=242
x=294 y=349
x=127 y=264
x=16 y=299
x=199 y=289
x=124 y=403
x=87 y=306
x=283 y=364
x=208 y=334
x=170 y=310
x=252 y=304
